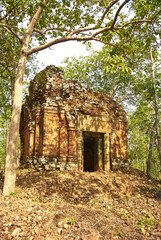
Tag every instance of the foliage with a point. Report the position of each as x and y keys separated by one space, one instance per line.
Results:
x=144 y=223
x=72 y=221
x=104 y=21
x=92 y=70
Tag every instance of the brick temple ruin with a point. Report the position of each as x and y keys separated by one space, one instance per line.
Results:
x=65 y=125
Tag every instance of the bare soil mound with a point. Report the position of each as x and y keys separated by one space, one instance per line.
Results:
x=120 y=204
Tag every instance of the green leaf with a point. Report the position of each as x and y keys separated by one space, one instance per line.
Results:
x=150 y=215
x=143 y=230
x=44 y=6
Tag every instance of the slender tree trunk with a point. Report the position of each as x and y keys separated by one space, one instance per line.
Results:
x=157 y=117
x=13 y=81
x=150 y=151
x=7 y=132
x=159 y=147
x=11 y=155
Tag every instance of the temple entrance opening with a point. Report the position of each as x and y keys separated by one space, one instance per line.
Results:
x=93 y=151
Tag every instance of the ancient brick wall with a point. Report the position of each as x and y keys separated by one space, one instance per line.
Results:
x=59 y=113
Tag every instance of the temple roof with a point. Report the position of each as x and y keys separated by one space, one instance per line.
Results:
x=50 y=89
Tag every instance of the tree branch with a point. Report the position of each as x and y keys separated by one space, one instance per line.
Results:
x=107 y=43
x=155 y=30
x=1 y=18
x=31 y=26
x=123 y=98
x=66 y=39
x=3 y=25
x=42 y=32
x=92 y=37
x=139 y=21
x=108 y=8
x=81 y=30
x=89 y=36
x=118 y=11
x=156 y=14
x=102 y=30
x=7 y=13
x=56 y=41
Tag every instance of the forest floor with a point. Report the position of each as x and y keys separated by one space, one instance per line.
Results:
x=120 y=204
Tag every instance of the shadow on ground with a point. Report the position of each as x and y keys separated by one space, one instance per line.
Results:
x=79 y=187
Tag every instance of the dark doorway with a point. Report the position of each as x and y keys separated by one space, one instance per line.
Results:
x=93 y=151
x=89 y=153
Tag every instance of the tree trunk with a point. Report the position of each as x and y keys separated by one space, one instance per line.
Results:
x=158 y=145
x=7 y=131
x=13 y=81
x=150 y=151
x=11 y=155
x=157 y=117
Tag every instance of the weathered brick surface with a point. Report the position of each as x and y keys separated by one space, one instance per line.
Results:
x=56 y=116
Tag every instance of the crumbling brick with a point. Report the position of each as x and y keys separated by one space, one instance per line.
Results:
x=59 y=113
